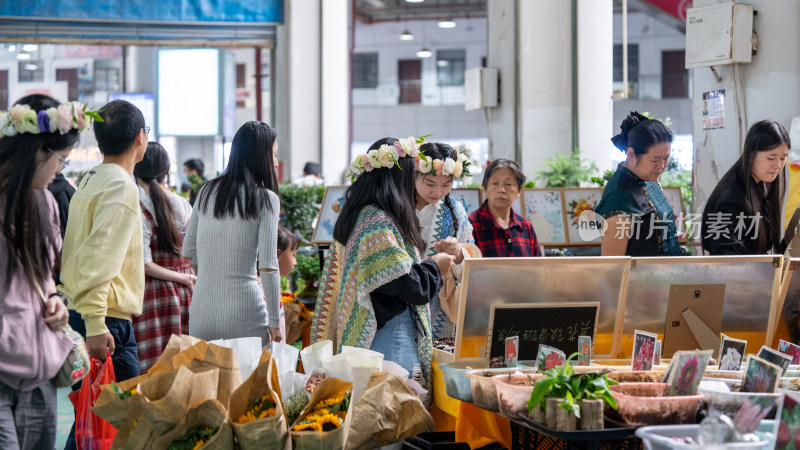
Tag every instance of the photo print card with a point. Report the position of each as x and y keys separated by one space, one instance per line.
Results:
x=548 y=357
x=687 y=371
x=512 y=351
x=760 y=375
x=731 y=354
x=585 y=350
x=775 y=357
x=644 y=348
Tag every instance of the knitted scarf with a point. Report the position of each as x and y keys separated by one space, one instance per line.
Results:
x=444 y=227
x=374 y=255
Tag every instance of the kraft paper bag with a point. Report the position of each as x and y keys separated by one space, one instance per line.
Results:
x=270 y=433
x=326 y=440
x=209 y=413
x=388 y=412
x=114 y=410
x=175 y=345
x=168 y=395
x=202 y=356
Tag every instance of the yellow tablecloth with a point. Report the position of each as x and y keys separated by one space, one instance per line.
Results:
x=475 y=426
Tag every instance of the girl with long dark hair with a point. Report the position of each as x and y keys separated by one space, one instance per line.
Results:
x=169 y=277
x=232 y=236
x=374 y=289
x=444 y=224
x=743 y=214
x=639 y=220
x=36 y=137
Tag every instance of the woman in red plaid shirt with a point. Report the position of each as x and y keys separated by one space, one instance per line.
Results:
x=498 y=230
x=169 y=277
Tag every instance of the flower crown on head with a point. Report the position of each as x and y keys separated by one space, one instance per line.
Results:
x=386 y=156
x=21 y=119
x=459 y=168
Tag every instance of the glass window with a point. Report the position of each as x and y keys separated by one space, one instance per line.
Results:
x=31 y=71
x=450 y=67
x=633 y=63
x=365 y=70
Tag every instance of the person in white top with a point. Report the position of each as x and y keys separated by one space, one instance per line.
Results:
x=444 y=224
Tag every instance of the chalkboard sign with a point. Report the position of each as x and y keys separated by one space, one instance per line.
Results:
x=555 y=324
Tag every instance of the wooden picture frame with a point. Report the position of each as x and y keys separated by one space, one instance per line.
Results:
x=471 y=198
x=544 y=209
x=328 y=213
x=572 y=199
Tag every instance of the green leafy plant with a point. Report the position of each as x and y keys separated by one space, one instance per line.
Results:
x=299 y=207
x=563 y=382
x=567 y=171
x=306 y=275
x=529 y=185
x=196 y=182
x=603 y=180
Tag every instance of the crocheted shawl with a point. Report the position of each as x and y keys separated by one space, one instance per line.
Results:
x=374 y=255
x=443 y=227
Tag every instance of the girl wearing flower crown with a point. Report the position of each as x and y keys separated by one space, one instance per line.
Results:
x=375 y=290
x=36 y=137
x=444 y=224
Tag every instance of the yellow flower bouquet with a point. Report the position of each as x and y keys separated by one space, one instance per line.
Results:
x=255 y=408
x=323 y=422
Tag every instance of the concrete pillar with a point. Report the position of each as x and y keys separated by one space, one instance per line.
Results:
x=595 y=80
x=336 y=96
x=501 y=30
x=530 y=42
x=311 y=111
x=771 y=86
x=545 y=81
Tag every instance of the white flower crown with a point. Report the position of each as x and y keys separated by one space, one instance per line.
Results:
x=21 y=119
x=387 y=156
x=459 y=168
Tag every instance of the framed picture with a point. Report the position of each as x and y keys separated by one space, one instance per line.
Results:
x=576 y=201
x=328 y=213
x=470 y=198
x=544 y=209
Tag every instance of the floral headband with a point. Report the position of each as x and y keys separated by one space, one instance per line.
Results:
x=386 y=156
x=458 y=168
x=21 y=119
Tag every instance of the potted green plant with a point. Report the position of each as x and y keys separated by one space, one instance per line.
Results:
x=567 y=171
x=306 y=276
x=561 y=397
x=299 y=207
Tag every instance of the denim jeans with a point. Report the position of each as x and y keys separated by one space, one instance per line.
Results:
x=125 y=358
x=397 y=340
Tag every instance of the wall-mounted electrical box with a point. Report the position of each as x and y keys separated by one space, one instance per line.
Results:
x=480 y=88
x=719 y=34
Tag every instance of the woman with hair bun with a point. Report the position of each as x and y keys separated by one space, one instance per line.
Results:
x=639 y=220
x=169 y=277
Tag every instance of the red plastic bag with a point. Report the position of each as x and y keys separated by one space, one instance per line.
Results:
x=92 y=432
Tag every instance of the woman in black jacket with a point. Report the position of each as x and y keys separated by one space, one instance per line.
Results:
x=743 y=213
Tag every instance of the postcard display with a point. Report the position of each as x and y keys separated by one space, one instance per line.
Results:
x=633 y=293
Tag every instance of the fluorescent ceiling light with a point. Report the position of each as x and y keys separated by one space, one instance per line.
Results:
x=23 y=56
x=406 y=36
x=442 y=63
x=414 y=1
x=424 y=53
x=447 y=23
x=30 y=47
x=31 y=66
x=12 y=48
